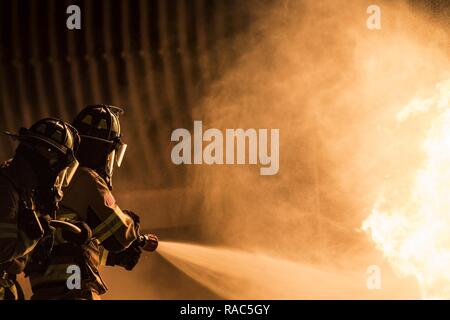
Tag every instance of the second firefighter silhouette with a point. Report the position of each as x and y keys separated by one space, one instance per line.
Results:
x=30 y=188
x=115 y=232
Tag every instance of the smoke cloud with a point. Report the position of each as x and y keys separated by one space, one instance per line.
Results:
x=333 y=88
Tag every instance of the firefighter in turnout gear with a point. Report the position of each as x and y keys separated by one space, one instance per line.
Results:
x=30 y=188
x=115 y=232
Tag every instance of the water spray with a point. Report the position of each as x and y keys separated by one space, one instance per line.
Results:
x=237 y=274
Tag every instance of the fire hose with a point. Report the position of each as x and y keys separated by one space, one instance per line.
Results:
x=148 y=242
x=65 y=226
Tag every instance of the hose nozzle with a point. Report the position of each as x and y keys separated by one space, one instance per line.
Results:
x=148 y=242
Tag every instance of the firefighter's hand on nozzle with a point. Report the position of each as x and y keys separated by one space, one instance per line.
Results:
x=127 y=258
x=149 y=242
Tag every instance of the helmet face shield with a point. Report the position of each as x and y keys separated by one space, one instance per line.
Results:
x=115 y=157
x=70 y=172
x=121 y=154
x=66 y=175
x=109 y=168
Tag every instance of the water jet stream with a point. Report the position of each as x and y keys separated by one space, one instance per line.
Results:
x=236 y=274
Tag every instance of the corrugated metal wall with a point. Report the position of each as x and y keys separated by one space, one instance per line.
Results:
x=154 y=57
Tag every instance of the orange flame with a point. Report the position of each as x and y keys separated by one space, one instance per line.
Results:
x=414 y=233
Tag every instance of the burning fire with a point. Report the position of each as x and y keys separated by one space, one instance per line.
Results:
x=414 y=233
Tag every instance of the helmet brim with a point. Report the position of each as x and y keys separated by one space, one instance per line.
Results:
x=34 y=136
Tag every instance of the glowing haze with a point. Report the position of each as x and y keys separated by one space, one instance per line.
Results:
x=337 y=91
